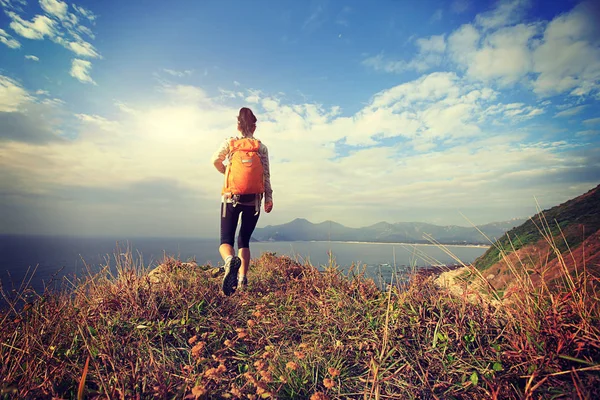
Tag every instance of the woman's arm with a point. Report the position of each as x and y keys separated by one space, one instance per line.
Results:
x=220 y=156
x=264 y=158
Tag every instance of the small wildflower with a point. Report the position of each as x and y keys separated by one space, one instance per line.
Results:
x=333 y=372
x=251 y=323
x=302 y=345
x=241 y=333
x=257 y=314
x=299 y=354
x=221 y=368
x=187 y=368
x=193 y=339
x=235 y=391
x=214 y=373
x=266 y=354
x=319 y=396
x=328 y=383
x=228 y=343
x=198 y=391
x=260 y=365
x=250 y=378
x=282 y=379
x=261 y=390
x=198 y=348
x=266 y=376
x=291 y=365
x=218 y=359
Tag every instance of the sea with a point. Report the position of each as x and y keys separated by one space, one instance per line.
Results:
x=37 y=262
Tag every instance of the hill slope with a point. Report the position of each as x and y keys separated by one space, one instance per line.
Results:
x=567 y=235
x=296 y=333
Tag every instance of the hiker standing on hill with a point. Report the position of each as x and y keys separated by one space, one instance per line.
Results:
x=247 y=179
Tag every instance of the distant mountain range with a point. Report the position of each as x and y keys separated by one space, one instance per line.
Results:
x=405 y=232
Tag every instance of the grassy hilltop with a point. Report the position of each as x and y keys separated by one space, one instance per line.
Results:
x=551 y=246
x=296 y=333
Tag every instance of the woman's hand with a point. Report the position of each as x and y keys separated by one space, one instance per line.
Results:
x=268 y=206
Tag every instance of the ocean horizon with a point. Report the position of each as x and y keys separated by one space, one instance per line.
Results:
x=56 y=257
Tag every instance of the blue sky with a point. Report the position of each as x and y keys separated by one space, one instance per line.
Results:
x=443 y=111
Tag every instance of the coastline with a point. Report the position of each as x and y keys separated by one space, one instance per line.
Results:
x=483 y=246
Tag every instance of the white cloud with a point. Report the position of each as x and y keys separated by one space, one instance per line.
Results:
x=83 y=49
x=12 y=95
x=506 y=13
x=589 y=132
x=84 y=29
x=85 y=13
x=179 y=74
x=592 y=121
x=185 y=93
x=568 y=59
x=435 y=44
x=559 y=56
x=516 y=112
x=8 y=40
x=80 y=70
x=504 y=55
x=379 y=63
x=430 y=87
x=448 y=159
x=570 y=111
x=463 y=44
x=253 y=99
x=254 y=96
x=429 y=55
x=230 y=94
x=39 y=27
x=13 y=4
x=98 y=121
x=55 y=8
x=32 y=57
x=64 y=29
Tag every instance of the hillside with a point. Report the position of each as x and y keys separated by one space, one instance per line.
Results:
x=406 y=232
x=564 y=236
x=296 y=333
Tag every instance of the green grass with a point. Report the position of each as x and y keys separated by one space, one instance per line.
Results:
x=567 y=224
x=297 y=332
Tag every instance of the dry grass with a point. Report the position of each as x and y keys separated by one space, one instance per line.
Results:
x=297 y=332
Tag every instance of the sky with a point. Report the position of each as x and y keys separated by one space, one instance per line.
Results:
x=448 y=112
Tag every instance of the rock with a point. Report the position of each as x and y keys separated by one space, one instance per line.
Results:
x=162 y=272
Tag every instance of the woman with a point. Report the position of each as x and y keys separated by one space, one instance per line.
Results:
x=247 y=179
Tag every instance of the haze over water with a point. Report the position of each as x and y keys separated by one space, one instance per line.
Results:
x=50 y=254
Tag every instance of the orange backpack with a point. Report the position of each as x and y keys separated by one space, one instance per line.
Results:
x=244 y=174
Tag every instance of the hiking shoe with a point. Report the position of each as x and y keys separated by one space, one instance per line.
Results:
x=242 y=283
x=230 y=278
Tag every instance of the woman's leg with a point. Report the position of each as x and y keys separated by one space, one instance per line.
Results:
x=232 y=263
x=228 y=227
x=249 y=220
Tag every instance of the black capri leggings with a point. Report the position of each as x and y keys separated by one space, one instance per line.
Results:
x=230 y=221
